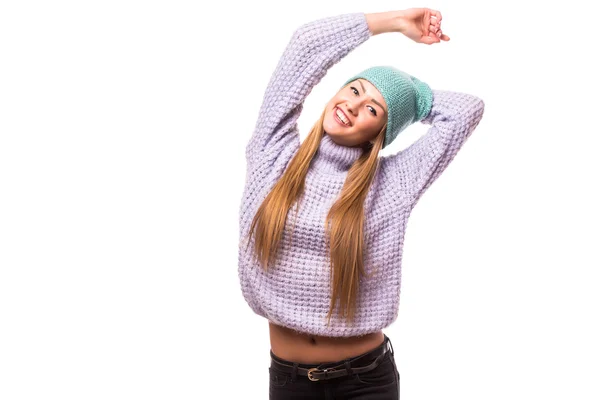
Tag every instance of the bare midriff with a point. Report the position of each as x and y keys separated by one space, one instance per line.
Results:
x=313 y=349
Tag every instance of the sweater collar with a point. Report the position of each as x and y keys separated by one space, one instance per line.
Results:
x=334 y=158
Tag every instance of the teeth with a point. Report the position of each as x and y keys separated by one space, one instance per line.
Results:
x=342 y=117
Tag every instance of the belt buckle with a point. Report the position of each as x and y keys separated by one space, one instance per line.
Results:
x=310 y=371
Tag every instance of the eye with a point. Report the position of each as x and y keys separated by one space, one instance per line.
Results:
x=373 y=111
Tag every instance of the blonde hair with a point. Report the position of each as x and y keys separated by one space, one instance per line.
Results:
x=346 y=217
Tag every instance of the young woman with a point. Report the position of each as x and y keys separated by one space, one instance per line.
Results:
x=324 y=220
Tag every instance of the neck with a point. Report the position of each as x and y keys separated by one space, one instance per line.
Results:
x=335 y=158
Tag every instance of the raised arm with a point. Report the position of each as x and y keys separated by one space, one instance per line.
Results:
x=313 y=49
x=453 y=118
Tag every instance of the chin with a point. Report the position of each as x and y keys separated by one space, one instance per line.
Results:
x=327 y=126
x=332 y=128
x=336 y=139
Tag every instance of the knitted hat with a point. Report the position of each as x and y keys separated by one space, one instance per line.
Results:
x=408 y=99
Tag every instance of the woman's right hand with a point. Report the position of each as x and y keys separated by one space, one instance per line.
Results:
x=423 y=25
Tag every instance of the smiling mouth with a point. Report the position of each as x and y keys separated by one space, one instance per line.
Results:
x=338 y=118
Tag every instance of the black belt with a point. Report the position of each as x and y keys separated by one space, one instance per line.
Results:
x=336 y=371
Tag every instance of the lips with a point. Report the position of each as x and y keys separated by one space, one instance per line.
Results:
x=338 y=119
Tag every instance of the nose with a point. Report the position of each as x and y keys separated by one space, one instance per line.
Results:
x=351 y=107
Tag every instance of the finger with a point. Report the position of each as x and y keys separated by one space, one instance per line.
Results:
x=429 y=26
x=434 y=22
x=441 y=35
x=432 y=38
x=427 y=20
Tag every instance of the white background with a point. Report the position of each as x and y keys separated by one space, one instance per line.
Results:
x=123 y=126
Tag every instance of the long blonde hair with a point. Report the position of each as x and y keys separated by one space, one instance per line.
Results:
x=346 y=216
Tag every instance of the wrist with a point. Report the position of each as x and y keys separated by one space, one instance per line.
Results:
x=383 y=22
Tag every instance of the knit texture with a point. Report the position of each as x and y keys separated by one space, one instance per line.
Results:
x=408 y=99
x=295 y=292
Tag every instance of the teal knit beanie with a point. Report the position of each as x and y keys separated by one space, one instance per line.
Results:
x=408 y=99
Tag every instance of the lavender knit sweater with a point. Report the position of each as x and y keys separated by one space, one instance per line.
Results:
x=295 y=292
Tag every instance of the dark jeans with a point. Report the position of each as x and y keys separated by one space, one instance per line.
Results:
x=381 y=383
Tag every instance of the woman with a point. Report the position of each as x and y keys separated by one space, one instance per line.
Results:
x=324 y=220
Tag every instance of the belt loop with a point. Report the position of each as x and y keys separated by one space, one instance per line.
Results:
x=348 y=369
x=391 y=346
x=294 y=372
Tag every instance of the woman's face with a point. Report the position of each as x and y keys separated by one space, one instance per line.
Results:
x=364 y=110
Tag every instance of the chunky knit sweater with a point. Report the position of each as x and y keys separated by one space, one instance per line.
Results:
x=296 y=291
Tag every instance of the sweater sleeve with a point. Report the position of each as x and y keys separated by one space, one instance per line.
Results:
x=453 y=118
x=312 y=50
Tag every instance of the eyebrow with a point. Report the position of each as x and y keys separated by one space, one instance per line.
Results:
x=374 y=101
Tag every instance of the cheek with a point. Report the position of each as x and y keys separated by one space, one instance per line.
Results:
x=370 y=124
